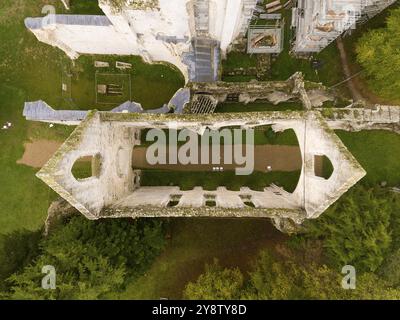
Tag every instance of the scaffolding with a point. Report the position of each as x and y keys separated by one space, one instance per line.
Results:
x=318 y=23
x=267 y=37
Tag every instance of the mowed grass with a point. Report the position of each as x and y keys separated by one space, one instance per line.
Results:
x=152 y=85
x=24 y=199
x=377 y=152
x=30 y=71
x=262 y=135
x=210 y=180
x=85 y=7
x=257 y=107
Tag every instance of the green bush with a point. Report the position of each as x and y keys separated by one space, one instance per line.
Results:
x=390 y=270
x=269 y=280
x=92 y=259
x=377 y=52
x=216 y=283
x=272 y=279
x=17 y=250
x=356 y=230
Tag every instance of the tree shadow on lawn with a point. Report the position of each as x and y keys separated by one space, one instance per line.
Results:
x=193 y=242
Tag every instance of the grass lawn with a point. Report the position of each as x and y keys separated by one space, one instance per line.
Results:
x=210 y=180
x=24 y=199
x=257 y=107
x=265 y=135
x=145 y=79
x=239 y=60
x=40 y=69
x=195 y=241
x=82 y=169
x=30 y=70
x=327 y=167
x=377 y=152
x=262 y=135
x=85 y=7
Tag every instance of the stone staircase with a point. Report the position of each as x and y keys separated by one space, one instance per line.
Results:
x=204 y=59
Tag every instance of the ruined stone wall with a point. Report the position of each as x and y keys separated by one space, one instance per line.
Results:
x=157 y=32
x=356 y=119
x=116 y=190
x=81 y=34
x=112 y=144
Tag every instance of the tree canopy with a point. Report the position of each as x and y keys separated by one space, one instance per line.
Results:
x=92 y=259
x=357 y=229
x=273 y=279
x=378 y=53
x=361 y=230
x=216 y=283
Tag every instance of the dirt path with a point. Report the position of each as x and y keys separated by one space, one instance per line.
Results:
x=279 y=158
x=347 y=72
x=38 y=152
x=356 y=85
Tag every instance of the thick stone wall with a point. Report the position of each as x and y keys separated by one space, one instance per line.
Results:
x=116 y=190
x=113 y=146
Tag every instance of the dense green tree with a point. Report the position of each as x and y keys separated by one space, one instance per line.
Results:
x=393 y=200
x=82 y=273
x=216 y=283
x=378 y=53
x=91 y=258
x=17 y=250
x=272 y=278
x=390 y=270
x=355 y=230
x=131 y=242
x=369 y=286
x=321 y=282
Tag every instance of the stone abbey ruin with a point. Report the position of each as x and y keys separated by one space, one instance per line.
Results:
x=194 y=35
